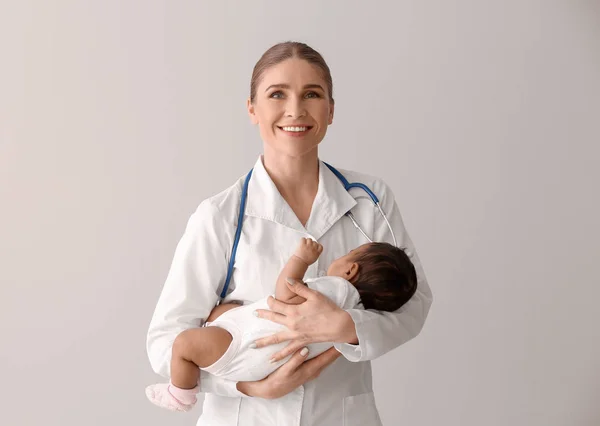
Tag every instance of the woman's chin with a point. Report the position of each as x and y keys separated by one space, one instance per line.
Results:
x=291 y=149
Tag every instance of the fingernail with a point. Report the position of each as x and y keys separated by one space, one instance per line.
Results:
x=252 y=346
x=272 y=360
x=290 y=281
x=255 y=313
x=304 y=351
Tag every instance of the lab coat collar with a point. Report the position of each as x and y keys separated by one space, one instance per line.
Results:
x=331 y=202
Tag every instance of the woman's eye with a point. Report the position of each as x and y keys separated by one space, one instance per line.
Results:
x=279 y=95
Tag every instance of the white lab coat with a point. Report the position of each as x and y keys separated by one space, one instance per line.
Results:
x=343 y=394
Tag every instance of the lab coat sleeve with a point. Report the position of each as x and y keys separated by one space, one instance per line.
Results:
x=379 y=332
x=197 y=273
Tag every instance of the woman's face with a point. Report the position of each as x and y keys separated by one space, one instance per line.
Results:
x=292 y=108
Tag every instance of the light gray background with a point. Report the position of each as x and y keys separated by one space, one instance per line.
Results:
x=119 y=117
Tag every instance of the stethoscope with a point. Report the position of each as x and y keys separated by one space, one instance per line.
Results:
x=347 y=186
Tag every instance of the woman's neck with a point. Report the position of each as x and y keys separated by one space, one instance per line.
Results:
x=293 y=175
x=296 y=179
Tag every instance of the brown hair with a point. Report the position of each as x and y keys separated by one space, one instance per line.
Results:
x=289 y=49
x=386 y=277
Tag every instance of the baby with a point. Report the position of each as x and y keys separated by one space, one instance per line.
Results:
x=373 y=276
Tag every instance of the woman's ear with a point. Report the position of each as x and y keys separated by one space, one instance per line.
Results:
x=331 y=109
x=351 y=271
x=251 y=111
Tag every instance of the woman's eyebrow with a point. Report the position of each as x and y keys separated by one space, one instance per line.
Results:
x=287 y=86
x=314 y=86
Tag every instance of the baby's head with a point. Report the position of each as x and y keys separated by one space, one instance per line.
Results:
x=383 y=275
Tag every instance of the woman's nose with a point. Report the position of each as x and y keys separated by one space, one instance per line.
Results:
x=295 y=108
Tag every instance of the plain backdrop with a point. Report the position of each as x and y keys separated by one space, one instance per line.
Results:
x=118 y=117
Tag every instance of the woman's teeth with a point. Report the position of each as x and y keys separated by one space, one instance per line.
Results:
x=295 y=129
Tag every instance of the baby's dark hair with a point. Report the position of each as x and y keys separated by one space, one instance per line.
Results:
x=386 y=277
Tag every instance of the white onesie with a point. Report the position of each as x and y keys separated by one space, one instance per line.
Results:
x=240 y=363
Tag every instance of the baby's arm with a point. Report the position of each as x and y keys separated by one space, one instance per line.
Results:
x=219 y=310
x=306 y=254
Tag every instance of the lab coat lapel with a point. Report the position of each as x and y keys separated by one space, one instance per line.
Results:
x=264 y=200
x=331 y=202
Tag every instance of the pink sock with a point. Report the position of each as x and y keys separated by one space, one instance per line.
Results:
x=185 y=396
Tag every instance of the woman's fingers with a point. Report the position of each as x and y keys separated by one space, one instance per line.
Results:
x=279 y=306
x=295 y=361
x=272 y=316
x=288 y=350
x=301 y=289
x=283 y=380
x=319 y=363
x=282 y=336
x=295 y=372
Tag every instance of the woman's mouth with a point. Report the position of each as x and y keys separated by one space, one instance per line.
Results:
x=295 y=131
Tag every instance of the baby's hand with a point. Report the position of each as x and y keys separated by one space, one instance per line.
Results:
x=309 y=250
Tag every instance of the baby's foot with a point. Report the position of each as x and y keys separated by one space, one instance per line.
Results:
x=161 y=395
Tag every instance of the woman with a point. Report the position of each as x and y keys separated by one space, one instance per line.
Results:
x=291 y=195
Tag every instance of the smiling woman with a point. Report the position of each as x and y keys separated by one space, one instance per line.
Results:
x=290 y=100
x=292 y=195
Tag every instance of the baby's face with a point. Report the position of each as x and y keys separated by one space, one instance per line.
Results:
x=342 y=266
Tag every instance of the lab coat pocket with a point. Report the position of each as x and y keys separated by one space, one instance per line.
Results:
x=360 y=410
x=219 y=411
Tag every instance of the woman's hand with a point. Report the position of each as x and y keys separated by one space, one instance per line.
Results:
x=295 y=372
x=317 y=319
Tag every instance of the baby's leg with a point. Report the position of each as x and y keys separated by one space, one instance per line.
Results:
x=193 y=348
